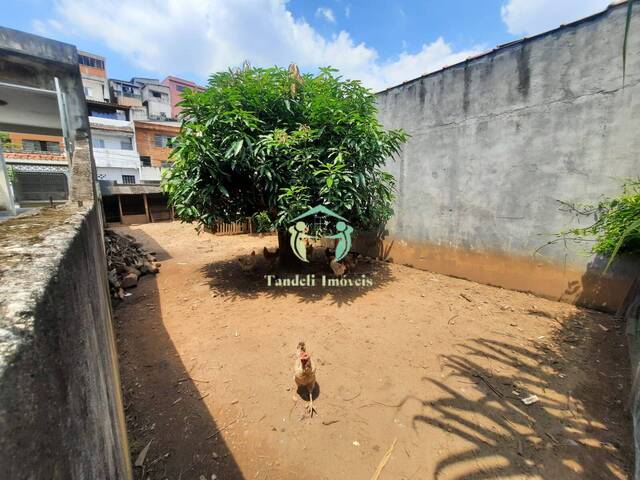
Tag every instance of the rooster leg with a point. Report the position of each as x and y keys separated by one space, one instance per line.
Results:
x=311 y=409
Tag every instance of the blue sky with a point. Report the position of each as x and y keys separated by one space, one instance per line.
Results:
x=380 y=42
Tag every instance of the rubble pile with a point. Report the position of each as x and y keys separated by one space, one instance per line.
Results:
x=126 y=261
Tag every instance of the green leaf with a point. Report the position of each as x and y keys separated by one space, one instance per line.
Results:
x=634 y=227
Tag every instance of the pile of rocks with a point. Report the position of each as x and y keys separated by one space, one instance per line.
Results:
x=126 y=261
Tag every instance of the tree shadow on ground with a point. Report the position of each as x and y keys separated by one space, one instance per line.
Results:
x=576 y=430
x=226 y=278
x=165 y=398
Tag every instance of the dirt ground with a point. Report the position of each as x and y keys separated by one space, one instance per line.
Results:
x=436 y=367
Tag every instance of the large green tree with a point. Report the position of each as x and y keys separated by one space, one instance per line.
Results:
x=274 y=143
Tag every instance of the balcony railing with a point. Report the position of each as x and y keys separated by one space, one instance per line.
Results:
x=19 y=153
x=129 y=95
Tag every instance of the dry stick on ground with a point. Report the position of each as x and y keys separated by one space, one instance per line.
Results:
x=220 y=430
x=180 y=380
x=498 y=393
x=384 y=461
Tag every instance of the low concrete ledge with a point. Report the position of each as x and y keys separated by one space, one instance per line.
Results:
x=61 y=410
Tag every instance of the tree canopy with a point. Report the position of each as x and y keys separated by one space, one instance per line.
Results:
x=273 y=143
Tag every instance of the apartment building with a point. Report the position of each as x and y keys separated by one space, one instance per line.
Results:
x=114 y=150
x=38 y=167
x=153 y=144
x=131 y=128
x=156 y=97
x=176 y=87
x=94 y=77
x=147 y=97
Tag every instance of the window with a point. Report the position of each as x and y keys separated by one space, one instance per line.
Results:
x=91 y=62
x=88 y=92
x=113 y=115
x=128 y=179
x=40 y=146
x=126 y=144
x=156 y=94
x=163 y=141
x=145 y=161
x=180 y=88
x=98 y=143
x=53 y=147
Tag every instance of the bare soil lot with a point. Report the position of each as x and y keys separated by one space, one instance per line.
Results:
x=437 y=365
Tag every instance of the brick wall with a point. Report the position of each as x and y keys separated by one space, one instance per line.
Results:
x=96 y=72
x=145 y=141
x=18 y=137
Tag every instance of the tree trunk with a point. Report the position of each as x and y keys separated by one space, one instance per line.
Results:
x=287 y=258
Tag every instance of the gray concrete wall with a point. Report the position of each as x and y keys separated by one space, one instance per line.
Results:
x=35 y=61
x=61 y=412
x=498 y=140
x=60 y=402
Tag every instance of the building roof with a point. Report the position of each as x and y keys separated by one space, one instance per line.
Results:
x=109 y=188
x=161 y=126
x=92 y=55
x=182 y=81
x=126 y=82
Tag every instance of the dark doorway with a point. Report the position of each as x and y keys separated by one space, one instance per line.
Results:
x=111 y=209
x=132 y=205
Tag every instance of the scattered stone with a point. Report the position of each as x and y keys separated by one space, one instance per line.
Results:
x=129 y=280
x=530 y=399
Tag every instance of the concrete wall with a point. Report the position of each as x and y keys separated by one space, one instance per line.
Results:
x=498 y=140
x=60 y=403
x=61 y=413
x=114 y=174
x=97 y=88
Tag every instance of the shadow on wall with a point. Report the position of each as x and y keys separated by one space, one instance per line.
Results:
x=578 y=428
x=604 y=291
x=163 y=396
x=590 y=288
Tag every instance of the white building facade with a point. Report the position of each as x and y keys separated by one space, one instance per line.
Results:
x=114 y=150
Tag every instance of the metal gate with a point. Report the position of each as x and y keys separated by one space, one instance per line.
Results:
x=40 y=186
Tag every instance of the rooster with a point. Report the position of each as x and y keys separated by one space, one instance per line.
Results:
x=338 y=268
x=329 y=253
x=248 y=262
x=309 y=248
x=350 y=261
x=305 y=373
x=270 y=257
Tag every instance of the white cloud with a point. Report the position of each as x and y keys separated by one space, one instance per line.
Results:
x=529 y=17
x=47 y=27
x=326 y=13
x=198 y=37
